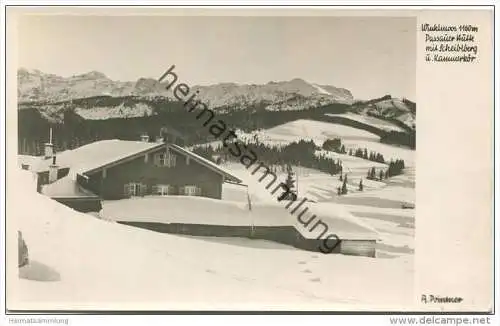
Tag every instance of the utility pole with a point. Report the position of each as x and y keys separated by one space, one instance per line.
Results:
x=252 y=227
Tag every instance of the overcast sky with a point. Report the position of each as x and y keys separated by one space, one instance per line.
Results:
x=370 y=56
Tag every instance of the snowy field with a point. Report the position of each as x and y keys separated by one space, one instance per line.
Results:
x=81 y=262
x=319 y=131
x=372 y=121
x=379 y=205
x=351 y=137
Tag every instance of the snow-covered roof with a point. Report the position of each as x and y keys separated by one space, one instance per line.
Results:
x=66 y=187
x=100 y=154
x=27 y=160
x=339 y=220
x=200 y=210
x=97 y=154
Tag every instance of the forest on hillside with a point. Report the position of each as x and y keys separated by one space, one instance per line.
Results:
x=303 y=153
x=74 y=131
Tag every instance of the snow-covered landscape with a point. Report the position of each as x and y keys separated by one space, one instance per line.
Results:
x=88 y=261
x=79 y=261
x=319 y=131
x=246 y=161
x=129 y=197
x=379 y=205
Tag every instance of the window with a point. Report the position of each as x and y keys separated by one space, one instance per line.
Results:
x=165 y=159
x=192 y=191
x=162 y=190
x=135 y=189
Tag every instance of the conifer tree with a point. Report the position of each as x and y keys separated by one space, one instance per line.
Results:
x=344 y=187
x=290 y=181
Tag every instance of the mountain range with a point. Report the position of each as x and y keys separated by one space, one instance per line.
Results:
x=52 y=95
x=91 y=106
x=296 y=94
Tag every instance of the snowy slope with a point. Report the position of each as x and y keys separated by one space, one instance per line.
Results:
x=371 y=121
x=80 y=262
x=389 y=108
x=320 y=89
x=319 y=131
x=304 y=129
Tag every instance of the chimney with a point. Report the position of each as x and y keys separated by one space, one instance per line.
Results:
x=53 y=169
x=49 y=147
x=145 y=138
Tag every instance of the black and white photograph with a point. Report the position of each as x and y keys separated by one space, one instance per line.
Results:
x=217 y=162
x=276 y=166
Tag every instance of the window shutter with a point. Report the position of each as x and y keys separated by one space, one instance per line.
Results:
x=126 y=189
x=143 y=189
x=166 y=161
x=169 y=160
